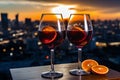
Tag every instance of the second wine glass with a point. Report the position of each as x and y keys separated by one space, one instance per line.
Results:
x=51 y=33
x=79 y=33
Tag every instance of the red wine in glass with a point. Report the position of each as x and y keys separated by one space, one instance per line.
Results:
x=79 y=33
x=50 y=37
x=79 y=37
x=51 y=32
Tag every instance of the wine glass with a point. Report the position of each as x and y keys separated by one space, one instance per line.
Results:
x=51 y=33
x=79 y=33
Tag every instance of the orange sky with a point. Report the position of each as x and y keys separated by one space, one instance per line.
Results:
x=34 y=9
x=37 y=15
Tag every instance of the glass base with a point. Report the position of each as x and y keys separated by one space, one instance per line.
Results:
x=78 y=72
x=51 y=75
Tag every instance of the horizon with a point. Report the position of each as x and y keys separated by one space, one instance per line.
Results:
x=109 y=10
x=33 y=19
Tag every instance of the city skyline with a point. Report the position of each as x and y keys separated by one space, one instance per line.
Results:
x=102 y=9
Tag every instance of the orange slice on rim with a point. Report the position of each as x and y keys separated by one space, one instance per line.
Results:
x=87 y=64
x=51 y=34
x=100 y=69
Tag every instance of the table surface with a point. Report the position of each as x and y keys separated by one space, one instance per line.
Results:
x=34 y=73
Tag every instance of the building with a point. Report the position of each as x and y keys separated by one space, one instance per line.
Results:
x=28 y=24
x=4 y=25
x=4 y=21
x=16 y=24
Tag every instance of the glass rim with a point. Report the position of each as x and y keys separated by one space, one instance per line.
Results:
x=79 y=14
x=51 y=14
x=60 y=14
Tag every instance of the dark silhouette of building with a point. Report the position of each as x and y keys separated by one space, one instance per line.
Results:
x=27 y=21
x=28 y=24
x=4 y=25
x=4 y=21
x=16 y=21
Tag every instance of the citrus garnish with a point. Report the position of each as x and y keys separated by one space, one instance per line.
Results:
x=51 y=34
x=76 y=28
x=100 y=69
x=81 y=31
x=48 y=28
x=87 y=64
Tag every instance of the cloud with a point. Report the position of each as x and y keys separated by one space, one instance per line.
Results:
x=83 y=9
x=90 y=5
x=95 y=7
x=110 y=10
x=97 y=3
x=28 y=6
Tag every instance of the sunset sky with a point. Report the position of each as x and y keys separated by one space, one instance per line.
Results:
x=98 y=9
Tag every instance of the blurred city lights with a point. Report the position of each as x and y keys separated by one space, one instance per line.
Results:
x=20 y=48
x=4 y=50
x=101 y=44
x=39 y=43
x=47 y=57
x=11 y=54
x=12 y=49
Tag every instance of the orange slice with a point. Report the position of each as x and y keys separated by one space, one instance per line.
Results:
x=77 y=28
x=48 y=28
x=87 y=64
x=100 y=69
x=51 y=32
x=82 y=32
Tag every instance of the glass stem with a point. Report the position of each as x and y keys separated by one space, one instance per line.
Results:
x=79 y=58
x=52 y=60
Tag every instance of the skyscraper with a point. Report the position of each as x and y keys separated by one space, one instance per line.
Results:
x=28 y=24
x=16 y=24
x=4 y=21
